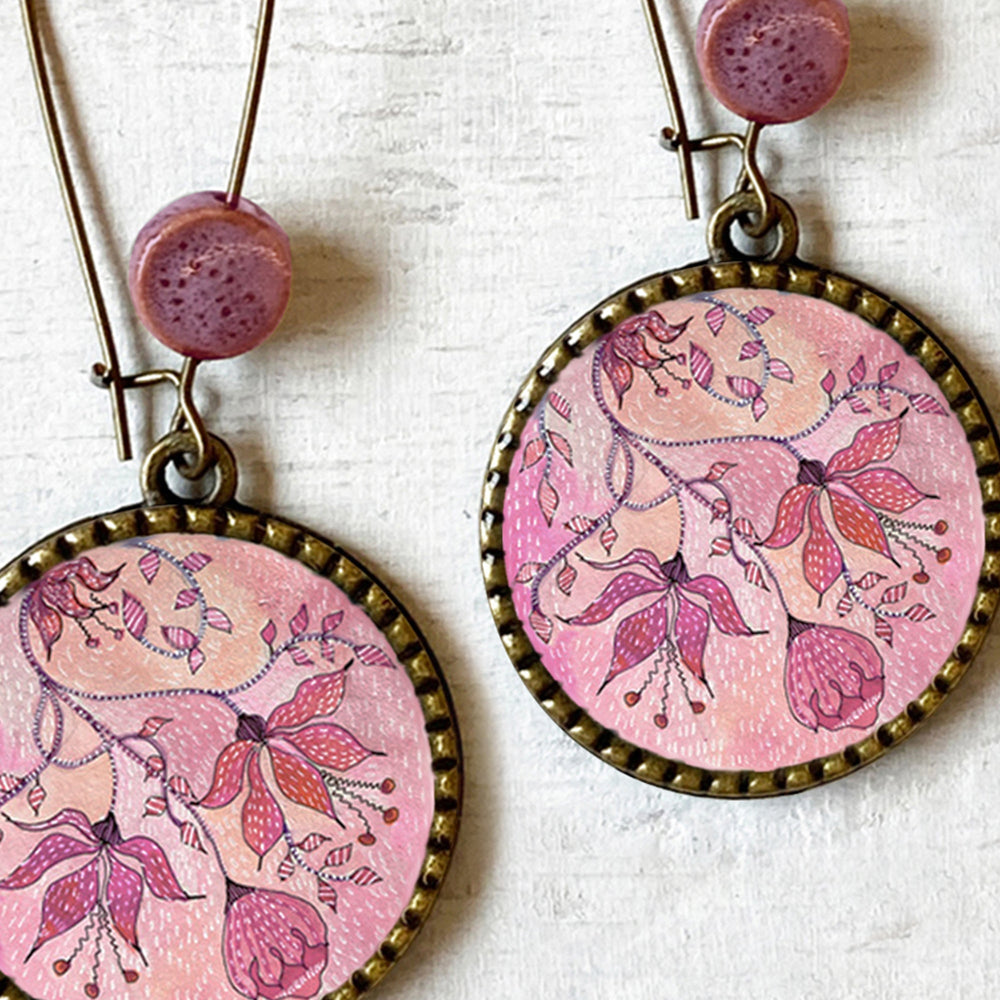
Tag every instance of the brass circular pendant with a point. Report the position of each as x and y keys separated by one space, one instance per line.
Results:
x=229 y=764
x=740 y=527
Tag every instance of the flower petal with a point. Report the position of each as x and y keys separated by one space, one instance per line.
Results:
x=790 y=519
x=622 y=588
x=46 y=620
x=640 y=557
x=632 y=346
x=228 y=780
x=65 y=817
x=636 y=638
x=619 y=372
x=263 y=823
x=691 y=631
x=873 y=443
x=318 y=696
x=301 y=782
x=886 y=489
x=91 y=576
x=66 y=903
x=56 y=847
x=329 y=746
x=124 y=895
x=160 y=876
x=721 y=605
x=821 y=558
x=858 y=523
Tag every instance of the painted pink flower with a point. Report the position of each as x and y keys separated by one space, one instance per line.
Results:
x=274 y=945
x=108 y=886
x=682 y=608
x=298 y=750
x=627 y=349
x=834 y=678
x=58 y=594
x=855 y=495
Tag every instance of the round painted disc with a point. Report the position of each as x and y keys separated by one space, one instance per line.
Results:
x=216 y=773
x=742 y=530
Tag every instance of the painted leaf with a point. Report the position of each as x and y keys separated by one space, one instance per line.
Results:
x=887 y=372
x=196 y=561
x=566 y=579
x=332 y=622
x=269 y=633
x=156 y=805
x=196 y=659
x=8 y=782
x=339 y=856
x=858 y=405
x=637 y=637
x=744 y=526
x=869 y=580
x=541 y=625
x=528 y=572
x=754 y=575
x=548 y=501
x=828 y=383
x=720 y=509
x=715 y=318
x=134 y=615
x=179 y=637
x=560 y=404
x=562 y=446
x=759 y=407
x=857 y=372
x=702 y=369
x=718 y=470
x=185 y=599
x=300 y=657
x=373 y=656
x=760 y=314
x=721 y=546
x=745 y=388
x=579 y=524
x=149 y=565
x=923 y=403
x=608 y=538
x=153 y=725
x=750 y=350
x=883 y=630
x=532 y=454
x=180 y=786
x=893 y=595
x=327 y=895
x=154 y=765
x=287 y=867
x=884 y=399
x=218 y=619
x=300 y=620
x=364 y=876
x=36 y=797
x=311 y=842
x=919 y=613
x=191 y=838
x=780 y=369
x=844 y=606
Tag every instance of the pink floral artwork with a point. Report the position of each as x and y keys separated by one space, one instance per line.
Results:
x=214 y=777
x=743 y=529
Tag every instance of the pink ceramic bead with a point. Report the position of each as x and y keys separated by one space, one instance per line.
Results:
x=773 y=61
x=210 y=281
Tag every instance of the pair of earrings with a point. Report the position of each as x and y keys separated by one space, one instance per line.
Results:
x=712 y=542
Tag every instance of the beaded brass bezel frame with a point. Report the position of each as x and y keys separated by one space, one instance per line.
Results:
x=361 y=588
x=800 y=278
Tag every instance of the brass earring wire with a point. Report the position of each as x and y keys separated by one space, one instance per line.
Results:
x=213 y=722
x=734 y=534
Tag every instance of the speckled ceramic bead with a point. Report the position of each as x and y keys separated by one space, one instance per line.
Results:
x=210 y=281
x=773 y=61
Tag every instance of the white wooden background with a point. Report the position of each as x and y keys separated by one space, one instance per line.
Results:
x=460 y=181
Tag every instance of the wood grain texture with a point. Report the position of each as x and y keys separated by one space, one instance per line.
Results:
x=460 y=182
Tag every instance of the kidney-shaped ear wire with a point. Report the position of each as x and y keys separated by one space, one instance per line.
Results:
x=247 y=228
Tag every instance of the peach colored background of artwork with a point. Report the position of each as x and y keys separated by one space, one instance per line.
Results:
x=183 y=939
x=749 y=723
